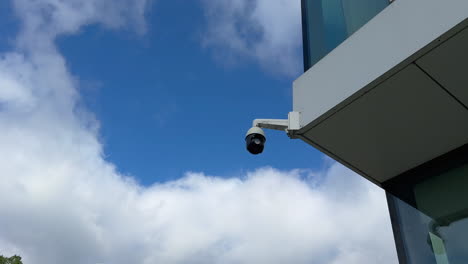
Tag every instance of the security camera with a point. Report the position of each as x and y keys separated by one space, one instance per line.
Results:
x=255 y=140
x=255 y=137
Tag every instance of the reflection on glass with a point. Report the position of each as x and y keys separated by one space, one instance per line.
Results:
x=327 y=23
x=435 y=228
x=359 y=12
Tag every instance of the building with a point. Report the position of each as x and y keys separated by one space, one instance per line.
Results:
x=385 y=92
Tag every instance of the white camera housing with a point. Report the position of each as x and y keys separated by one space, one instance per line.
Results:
x=255 y=140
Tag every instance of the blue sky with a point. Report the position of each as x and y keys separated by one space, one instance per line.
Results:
x=8 y=26
x=166 y=106
x=123 y=125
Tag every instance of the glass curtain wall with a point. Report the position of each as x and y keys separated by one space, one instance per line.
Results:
x=430 y=214
x=327 y=23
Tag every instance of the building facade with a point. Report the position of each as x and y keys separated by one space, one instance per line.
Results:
x=385 y=92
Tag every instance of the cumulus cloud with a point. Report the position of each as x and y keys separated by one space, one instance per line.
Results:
x=61 y=202
x=266 y=31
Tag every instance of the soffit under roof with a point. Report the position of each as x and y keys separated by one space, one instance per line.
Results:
x=448 y=64
x=401 y=123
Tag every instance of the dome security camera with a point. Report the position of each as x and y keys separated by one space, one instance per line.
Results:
x=255 y=137
x=255 y=140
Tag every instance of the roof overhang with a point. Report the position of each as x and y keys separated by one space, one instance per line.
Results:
x=395 y=94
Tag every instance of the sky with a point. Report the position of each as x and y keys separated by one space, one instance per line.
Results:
x=123 y=125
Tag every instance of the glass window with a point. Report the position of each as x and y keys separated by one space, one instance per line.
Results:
x=327 y=23
x=432 y=224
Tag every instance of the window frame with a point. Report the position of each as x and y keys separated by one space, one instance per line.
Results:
x=402 y=186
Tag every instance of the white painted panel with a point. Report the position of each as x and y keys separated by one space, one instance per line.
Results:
x=402 y=123
x=397 y=33
x=448 y=64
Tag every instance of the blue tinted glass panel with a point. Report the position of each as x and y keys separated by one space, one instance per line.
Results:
x=359 y=12
x=433 y=226
x=327 y=23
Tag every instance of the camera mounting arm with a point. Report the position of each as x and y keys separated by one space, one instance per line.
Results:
x=288 y=125
x=276 y=124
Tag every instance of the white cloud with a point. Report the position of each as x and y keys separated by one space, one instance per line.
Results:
x=42 y=20
x=267 y=31
x=61 y=202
